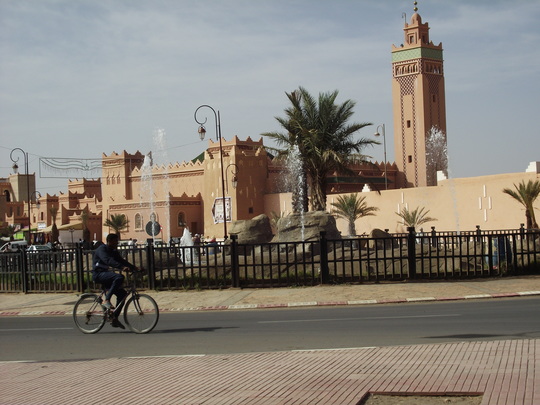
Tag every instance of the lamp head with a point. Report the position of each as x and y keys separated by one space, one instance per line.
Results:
x=202 y=132
x=377 y=133
x=234 y=182
x=15 y=168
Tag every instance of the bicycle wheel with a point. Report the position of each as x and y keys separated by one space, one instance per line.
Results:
x=88 y=314
x=141 y=313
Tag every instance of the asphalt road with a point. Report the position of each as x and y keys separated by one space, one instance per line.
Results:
x=224 y=332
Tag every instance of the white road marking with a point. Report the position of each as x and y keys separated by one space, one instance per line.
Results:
x=360 y=319
x=33 y=329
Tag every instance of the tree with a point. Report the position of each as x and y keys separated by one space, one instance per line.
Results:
x=526 y=194
x=350 y=208
x=416 y=217
x=117 y=222
x=8 y=230
x=318 y=130
x=436 y=155
x=84 y=220
x=55 y=233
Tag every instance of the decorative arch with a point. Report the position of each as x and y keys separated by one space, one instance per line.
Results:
x=138 y=221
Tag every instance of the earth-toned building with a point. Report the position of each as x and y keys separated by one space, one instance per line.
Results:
x=161 y=200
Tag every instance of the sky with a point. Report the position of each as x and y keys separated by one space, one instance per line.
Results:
x=79 y=78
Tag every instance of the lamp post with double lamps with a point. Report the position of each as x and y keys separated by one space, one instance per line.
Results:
x=36 y=195
x=202 y=133
x=16 y=170
x=384 y=145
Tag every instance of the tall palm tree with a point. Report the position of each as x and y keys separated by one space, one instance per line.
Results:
x=416 y=217
x=318 y=130
x=84 y=220
x=55 y=233
x=350 y=208
x=526 y=194
x=117 y=222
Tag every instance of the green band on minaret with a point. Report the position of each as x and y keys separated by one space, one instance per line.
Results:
x=416 y=53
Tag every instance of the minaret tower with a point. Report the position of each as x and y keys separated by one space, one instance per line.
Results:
x=418 y=103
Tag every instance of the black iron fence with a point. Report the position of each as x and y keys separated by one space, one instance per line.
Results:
x=412 y=255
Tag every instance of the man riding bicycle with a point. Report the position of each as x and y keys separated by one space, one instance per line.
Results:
x=105 y=257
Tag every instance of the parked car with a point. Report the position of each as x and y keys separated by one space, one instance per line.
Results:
x=14 y=246
x=36 y=249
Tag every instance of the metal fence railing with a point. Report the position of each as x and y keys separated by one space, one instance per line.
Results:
x=420 y=256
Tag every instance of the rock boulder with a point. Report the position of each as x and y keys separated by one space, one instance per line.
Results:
x=252 y=231
x=306 y=226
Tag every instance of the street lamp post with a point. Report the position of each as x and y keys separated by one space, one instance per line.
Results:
x=36 y=195
x=15 y=170
x=384 y=145
x=202 y=132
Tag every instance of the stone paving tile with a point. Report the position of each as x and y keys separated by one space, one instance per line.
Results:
x=504 y=372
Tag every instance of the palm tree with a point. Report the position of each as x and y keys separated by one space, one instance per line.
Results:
x=84 y=220
x=416 y=217
x=55 y=233
x=318 y=130
x=117 y=222
x=350 y=208
x=526 y=194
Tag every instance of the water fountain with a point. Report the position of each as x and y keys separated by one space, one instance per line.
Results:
x=186 y=245
x=147 y=195
x=296 y=182
x=147 y=191
x=161 y=158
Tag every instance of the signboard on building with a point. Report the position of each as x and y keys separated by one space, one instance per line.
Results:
x=217 y=210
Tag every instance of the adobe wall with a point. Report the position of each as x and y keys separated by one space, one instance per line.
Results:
x=457 y=204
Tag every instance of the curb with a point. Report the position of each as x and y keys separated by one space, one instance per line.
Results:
x=299 y=304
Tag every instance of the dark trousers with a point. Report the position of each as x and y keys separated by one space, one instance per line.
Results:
x=112 y=282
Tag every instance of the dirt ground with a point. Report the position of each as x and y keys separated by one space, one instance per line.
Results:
x=380 y=399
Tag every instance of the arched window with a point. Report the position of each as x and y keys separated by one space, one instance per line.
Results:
x=7 y=195
x=153 y=217
x=181 y=219
x=138 y=221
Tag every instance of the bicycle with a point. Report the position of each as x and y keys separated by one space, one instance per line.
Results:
x=141 y=312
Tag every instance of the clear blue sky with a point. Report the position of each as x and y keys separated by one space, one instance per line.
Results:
x=82 y=78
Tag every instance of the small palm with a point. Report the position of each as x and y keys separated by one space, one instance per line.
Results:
x=351 y=208
x=117 y=222
x=416 y=217
x=526 y=194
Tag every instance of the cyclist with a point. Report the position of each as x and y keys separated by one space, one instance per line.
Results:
x=107 y=256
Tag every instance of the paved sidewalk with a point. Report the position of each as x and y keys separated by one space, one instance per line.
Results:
x=503 y=372
x=231 y=299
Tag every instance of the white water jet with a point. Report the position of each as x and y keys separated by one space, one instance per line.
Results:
x=186 y=242
x=296 y=181
x=161 y=158
x=147 y=188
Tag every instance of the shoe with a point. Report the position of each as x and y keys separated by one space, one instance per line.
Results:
x=107 y=305
x=117 y=324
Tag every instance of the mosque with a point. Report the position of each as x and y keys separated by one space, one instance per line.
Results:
x=238 y=179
